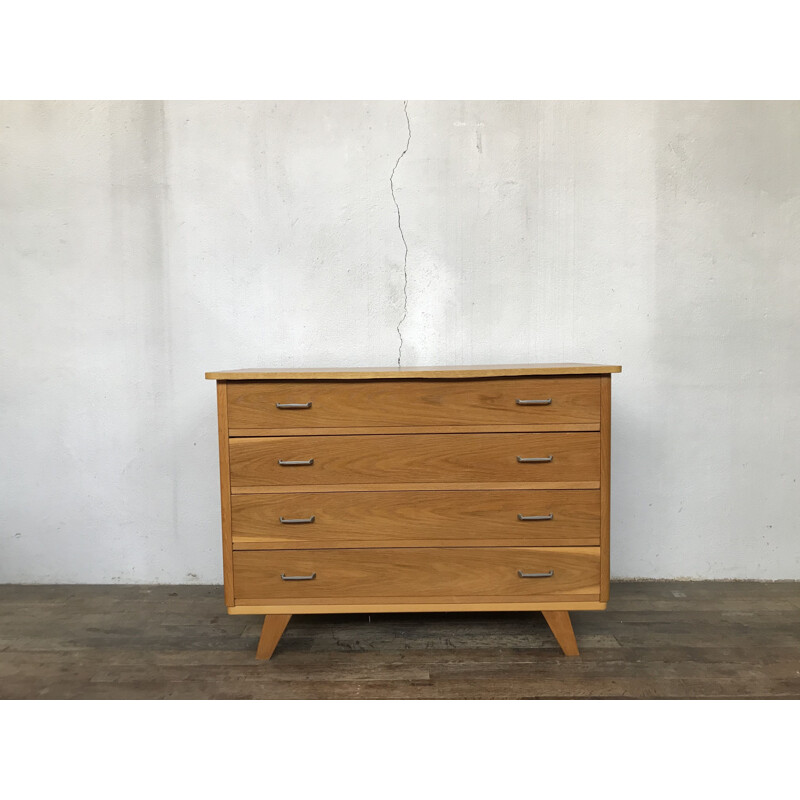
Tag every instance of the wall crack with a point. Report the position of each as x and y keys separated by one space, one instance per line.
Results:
x=402 y=236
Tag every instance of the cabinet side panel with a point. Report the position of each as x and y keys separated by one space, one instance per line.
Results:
x=605 y=486
x=225 y=490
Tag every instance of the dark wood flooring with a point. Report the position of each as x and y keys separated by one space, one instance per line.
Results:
x=656 y=640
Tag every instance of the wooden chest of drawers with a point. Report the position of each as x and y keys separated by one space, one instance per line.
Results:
x=427 y=489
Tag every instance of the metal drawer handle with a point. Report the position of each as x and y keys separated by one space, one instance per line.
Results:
x=535 y=402
x=298 y=577
x=300 y=521
x=535 y=574
x=533 y=460
x=523 y=518
x=296 y=463
x=292 y=405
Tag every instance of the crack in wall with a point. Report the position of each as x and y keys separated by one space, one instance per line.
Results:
x=402 y=236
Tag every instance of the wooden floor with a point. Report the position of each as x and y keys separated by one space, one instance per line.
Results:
x=656 y=640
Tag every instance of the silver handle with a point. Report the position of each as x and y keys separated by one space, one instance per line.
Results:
x=292 y=405
x=300 y=521
x=298 y=577
x=523 y=518
x=533 y=460
x=296 y=463
x=535 y=574
x=535 y=402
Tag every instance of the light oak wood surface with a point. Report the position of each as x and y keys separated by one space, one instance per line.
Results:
x=422 y=458
x=361 y=430
x=561 y=626
x=463 y=486
x=605 y=486
x=271 y=632
x=415 y=491
x=404 y=606
x=413 y=574
x=487 y=403
x=415 y=519
x=405 y=373
x=225 y=490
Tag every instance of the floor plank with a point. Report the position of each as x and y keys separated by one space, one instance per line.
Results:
x=655 y=640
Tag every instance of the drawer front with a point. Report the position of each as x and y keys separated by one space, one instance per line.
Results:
x=416 y=519
x=407 y=574
x=423 y=458
x=347 y=404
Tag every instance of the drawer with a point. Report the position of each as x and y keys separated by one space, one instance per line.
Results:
x=415 y=519
x=274 y=406
x=415 y=574
x=422 y=458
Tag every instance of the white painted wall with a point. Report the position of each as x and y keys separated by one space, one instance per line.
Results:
x=142 y=244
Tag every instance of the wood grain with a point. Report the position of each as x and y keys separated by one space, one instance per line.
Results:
x=416 y=491
x=561 y=627
x=423 y=458
x=417 y=574
x=574 y=400
x=605 y=486
x=658 y=639
x=271 y=632
x=225 y=490
x=405 y=607
x=439 y=486
x=406 y=429
x=405 y=373
x=415 y=519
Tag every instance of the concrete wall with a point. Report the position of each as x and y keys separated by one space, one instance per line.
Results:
x=142 y=244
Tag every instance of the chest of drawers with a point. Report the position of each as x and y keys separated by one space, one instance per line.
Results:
x=428 y=489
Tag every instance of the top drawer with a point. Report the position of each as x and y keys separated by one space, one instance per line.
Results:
x=271 y=406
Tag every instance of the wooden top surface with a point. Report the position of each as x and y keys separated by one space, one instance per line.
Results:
x=395 y=373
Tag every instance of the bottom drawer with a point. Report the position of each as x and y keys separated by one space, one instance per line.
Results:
x=447 y=575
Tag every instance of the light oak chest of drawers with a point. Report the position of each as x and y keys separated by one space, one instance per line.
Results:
x=428 y=489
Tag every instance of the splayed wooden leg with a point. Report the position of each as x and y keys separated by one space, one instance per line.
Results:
x=561 y=626
x=274 y=626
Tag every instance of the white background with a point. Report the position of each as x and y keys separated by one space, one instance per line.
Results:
x=144 y=243
x=572 y=50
